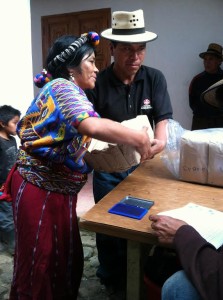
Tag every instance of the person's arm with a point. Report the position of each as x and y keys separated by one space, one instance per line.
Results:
x=160 y=138
x=162 y=109
x=200 y=260
x=113 y=132
x=195 y=89
x=192 y=96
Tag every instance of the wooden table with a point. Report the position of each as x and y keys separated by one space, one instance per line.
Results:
x=151 y=180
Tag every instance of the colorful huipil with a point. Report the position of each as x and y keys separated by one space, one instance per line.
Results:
x=52 y=151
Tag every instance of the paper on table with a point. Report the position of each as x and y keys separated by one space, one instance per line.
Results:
x=207 y=221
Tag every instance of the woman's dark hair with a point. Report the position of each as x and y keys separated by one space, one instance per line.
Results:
x=60 y=70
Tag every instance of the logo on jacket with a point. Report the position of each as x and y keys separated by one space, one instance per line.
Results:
x=146 y=104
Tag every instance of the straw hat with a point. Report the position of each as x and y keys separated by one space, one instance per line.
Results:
x=214 y=49
x=214 y=95
x=128 y=27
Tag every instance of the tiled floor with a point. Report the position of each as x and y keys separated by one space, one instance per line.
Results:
x=85 y=198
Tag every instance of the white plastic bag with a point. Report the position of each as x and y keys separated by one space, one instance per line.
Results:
x=171 y=153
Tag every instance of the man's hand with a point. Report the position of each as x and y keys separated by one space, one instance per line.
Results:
x=160 y=138
x=145 y=150
x=156 y=147
x=165 y=227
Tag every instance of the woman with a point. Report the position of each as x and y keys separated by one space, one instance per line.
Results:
x=50 y=171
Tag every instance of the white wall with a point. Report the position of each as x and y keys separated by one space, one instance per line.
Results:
x=15 y=54
x=184 y=28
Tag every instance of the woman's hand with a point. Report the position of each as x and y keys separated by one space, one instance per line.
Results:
x=165 y=227
x=114 y=132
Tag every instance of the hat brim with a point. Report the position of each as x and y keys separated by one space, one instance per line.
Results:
x=145 y=37
x=209 y=96
x=212 y=53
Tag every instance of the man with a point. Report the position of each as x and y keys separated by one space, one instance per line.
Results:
x=124 y=90
x=202 y=263
x=203 y=115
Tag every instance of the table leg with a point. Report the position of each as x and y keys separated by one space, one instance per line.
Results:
x=133 y=270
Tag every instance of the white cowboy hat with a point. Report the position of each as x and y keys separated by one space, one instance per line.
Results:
x=128 y=27
x=214 y=95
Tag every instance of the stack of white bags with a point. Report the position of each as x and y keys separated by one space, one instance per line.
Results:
x=201 y=156
x=194 y=156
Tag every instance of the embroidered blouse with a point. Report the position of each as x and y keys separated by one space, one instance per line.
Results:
x=52 y=151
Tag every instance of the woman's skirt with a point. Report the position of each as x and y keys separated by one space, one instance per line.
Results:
x=48 y=261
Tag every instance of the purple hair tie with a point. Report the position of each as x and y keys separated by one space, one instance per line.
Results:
x=41 y=79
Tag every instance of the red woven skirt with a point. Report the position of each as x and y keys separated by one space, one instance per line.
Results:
x=48 y=262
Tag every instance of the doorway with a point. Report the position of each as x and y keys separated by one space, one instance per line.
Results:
x=77 y=23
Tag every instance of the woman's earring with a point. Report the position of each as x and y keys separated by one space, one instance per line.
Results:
x=71 y=77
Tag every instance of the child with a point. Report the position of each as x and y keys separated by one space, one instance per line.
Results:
x=9 y=118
